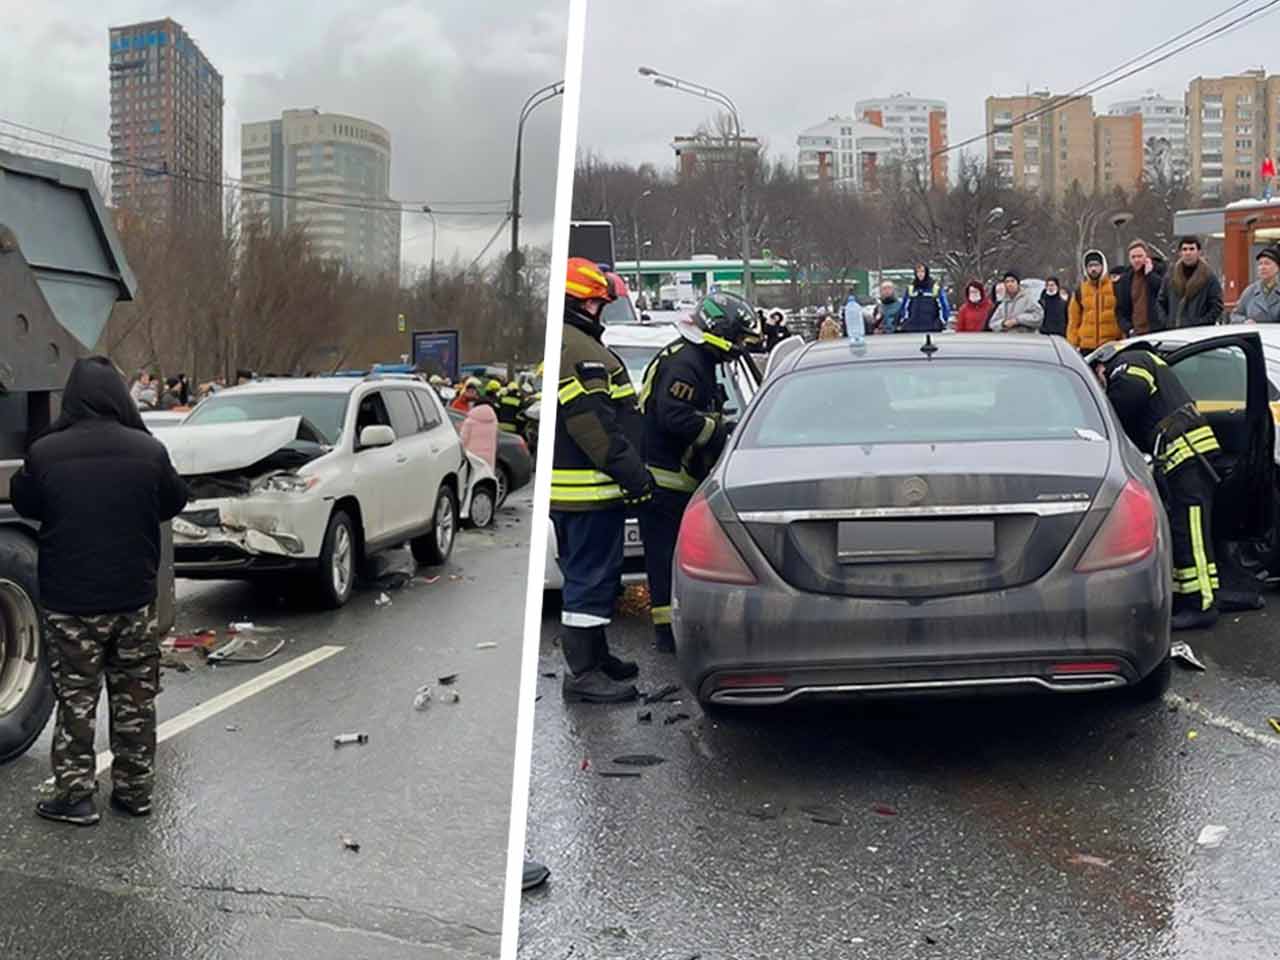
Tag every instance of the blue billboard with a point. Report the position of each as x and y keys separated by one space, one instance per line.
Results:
x=436 y=352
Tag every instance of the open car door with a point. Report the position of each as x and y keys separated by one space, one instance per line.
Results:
x=1227 y=378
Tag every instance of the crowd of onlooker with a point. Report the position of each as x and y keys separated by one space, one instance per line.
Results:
x=1143 y=295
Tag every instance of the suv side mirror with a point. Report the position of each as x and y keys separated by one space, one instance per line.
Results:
x=377 y=435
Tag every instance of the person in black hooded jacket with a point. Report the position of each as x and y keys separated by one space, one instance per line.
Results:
x=1054 y=302
x=100 y=486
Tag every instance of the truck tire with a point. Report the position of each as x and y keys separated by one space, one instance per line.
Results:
x=434 y=548
x=26 y=687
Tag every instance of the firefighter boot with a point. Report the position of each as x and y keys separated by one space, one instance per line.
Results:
x=614 y=667
x=586 y=681
x=1195 y=619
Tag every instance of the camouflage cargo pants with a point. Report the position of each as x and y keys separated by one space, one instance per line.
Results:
x=125 y=649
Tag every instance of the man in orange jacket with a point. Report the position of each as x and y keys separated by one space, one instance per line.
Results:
x=1091 y=313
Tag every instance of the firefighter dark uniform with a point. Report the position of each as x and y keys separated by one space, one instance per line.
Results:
x=1162 y=420
x=924 y=308
x=510 y=403
x=597 y=471
x=684 y=433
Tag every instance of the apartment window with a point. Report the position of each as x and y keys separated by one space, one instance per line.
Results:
x=1244 y=144
x=1244 y=128
x=1244 y=99
x=1244 y=174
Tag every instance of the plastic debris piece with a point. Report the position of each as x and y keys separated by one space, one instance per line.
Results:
x=487 y=645
x=451 y=696
x=1211 y=836
x=873 y=849
x=884 y=810
x=1182 y=652
x=661 y=694
x=1192 y=734
x=248 y=626
x=422 y=699
x=382 y=601
x=766 y=811
x=586 y=763
x=644 y=716
x=1275 y=723
x=426 y=581
x=1089 y=860
x=639 y=760
x=349 y=843
x=551 y=675
x=674 y=719
x=231 y=728
x=244 y=648
x=447 y=680
x=190 y=641
x=618 y=774
x=345 y=738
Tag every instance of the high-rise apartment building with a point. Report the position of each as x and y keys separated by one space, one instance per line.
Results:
x=306 y=158
x=1164 y=135
x=1232 y=124
x=1118 y=152
x=844 y=153
x=703 y=149
x=918 y=126
x=166 y=125
x=1048 y=151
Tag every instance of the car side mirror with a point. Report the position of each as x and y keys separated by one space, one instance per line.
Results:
x=377 y=435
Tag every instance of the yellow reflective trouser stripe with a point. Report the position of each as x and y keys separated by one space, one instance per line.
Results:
x=1202 y=560
x=670 y=480
x=1142 y=375
x=708 y=430
x=576 y=494
x=661 y=616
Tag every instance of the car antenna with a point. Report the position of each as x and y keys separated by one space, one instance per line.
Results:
x=929 y=348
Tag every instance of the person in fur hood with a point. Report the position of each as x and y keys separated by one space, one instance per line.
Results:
x=1191 y=295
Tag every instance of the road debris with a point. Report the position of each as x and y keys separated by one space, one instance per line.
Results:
x=551 y=675
x=619 y=774
x=1211 y=836
x=827 y=816
x=451 y=696
x=1089 y=860
x=675 y=718
x=248 y=626
x=422 y=699
x=765 y=811
x=487 y=645
x=1182 y=652
x=1192 y=734
x=426 y=581
x=447 y=680
x=231 y=728
x=191 y=641
x=1275 y=723
x=382 y=601
x=884 y=810
x=350 y=844
x=660 y=695
x=345 y=738
x=245 y=647
x=639 y=760
x=644 y=716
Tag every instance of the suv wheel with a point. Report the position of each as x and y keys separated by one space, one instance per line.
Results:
x=434 y=548
x=337 y=575
x=482 y=507
x=26 y=689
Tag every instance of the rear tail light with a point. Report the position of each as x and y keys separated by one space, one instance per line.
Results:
x=1085 y=666
x=523 y=446
x=705 y=552
x=1127 y=535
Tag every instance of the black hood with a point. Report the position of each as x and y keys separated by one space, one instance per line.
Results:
x=96 y=391
x=575 y=315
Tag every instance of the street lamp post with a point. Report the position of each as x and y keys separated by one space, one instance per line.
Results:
x=431 y=279
x=715 y=96
x=1118 y=221
x=635 y=223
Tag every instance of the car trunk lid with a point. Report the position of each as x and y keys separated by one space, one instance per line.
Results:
x=912 y=520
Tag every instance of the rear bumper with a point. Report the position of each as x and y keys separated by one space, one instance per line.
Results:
x=771 y=644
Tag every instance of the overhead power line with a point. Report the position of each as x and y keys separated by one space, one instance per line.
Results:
x=1059 y=103
x=95 y=152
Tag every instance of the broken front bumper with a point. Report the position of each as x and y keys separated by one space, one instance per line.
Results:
x=243 y=536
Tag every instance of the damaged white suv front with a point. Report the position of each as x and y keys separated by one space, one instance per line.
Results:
x=308 y=477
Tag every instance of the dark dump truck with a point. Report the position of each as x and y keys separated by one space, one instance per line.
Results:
x=62 y=268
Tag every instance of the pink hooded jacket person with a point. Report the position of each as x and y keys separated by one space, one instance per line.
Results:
x=480 y=433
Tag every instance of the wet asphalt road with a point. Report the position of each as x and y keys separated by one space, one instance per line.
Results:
x=242 y=857
x=1006 y=828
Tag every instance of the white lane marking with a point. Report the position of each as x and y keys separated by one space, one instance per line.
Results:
x=229 y=698
x=1219 y=720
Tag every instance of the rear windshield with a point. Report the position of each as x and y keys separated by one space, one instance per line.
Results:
x=940 y=401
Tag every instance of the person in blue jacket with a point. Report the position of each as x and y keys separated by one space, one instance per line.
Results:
x=925 y=308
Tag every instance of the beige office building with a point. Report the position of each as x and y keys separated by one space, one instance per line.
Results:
x=1232 y=124
x=332 y=157
x=1048 y=152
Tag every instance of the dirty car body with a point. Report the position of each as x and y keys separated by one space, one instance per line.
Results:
x=982 y=524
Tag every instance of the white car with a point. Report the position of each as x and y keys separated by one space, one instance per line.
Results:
x=636 y=344
x=312 y=476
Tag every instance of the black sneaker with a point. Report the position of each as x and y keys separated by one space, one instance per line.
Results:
x=82 y=812
x=535 y=875
x=615 y=668
x=1195 y=619
x=596 y=687
x=132 y=808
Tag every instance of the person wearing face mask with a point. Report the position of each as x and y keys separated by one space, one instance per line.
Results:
x=975 y=310
x=1091 y=312
x=1053 y=301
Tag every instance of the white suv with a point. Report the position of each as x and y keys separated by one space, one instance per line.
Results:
x=311 y=476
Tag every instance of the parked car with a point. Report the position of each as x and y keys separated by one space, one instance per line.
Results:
x=982 y=524
x=636 y=344
x=309 y=477
x=515 y=465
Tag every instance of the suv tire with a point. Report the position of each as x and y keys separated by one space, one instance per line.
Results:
x=434 y=548
x=337 y=574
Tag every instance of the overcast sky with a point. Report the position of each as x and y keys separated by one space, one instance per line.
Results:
x=793 y=64
x=446 y=77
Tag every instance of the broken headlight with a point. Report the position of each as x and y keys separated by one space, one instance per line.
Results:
x=286 y=483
